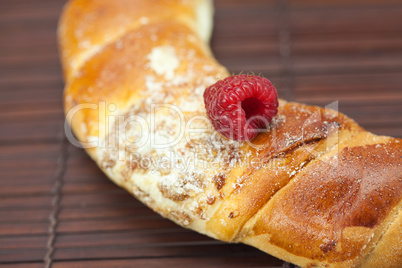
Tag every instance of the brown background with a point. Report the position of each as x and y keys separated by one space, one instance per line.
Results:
x=57 y=208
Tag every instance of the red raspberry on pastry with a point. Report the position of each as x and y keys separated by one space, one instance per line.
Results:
x=238 y=106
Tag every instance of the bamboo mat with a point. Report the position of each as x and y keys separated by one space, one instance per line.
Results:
x=57 y=209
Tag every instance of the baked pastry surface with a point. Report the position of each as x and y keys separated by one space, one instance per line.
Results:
x=314 y=189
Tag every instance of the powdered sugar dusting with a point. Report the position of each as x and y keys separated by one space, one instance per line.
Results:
x=163 y=60
x=164 y=144
x=144 y=20
x=181 y=162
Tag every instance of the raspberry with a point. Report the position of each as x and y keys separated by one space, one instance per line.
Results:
x=240 y=105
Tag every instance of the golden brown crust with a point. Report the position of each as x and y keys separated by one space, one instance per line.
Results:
x=87 y=25
x=276 y=156
x=118 y=73
x=386 y=252
x=331 y=210
x=315 y=189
